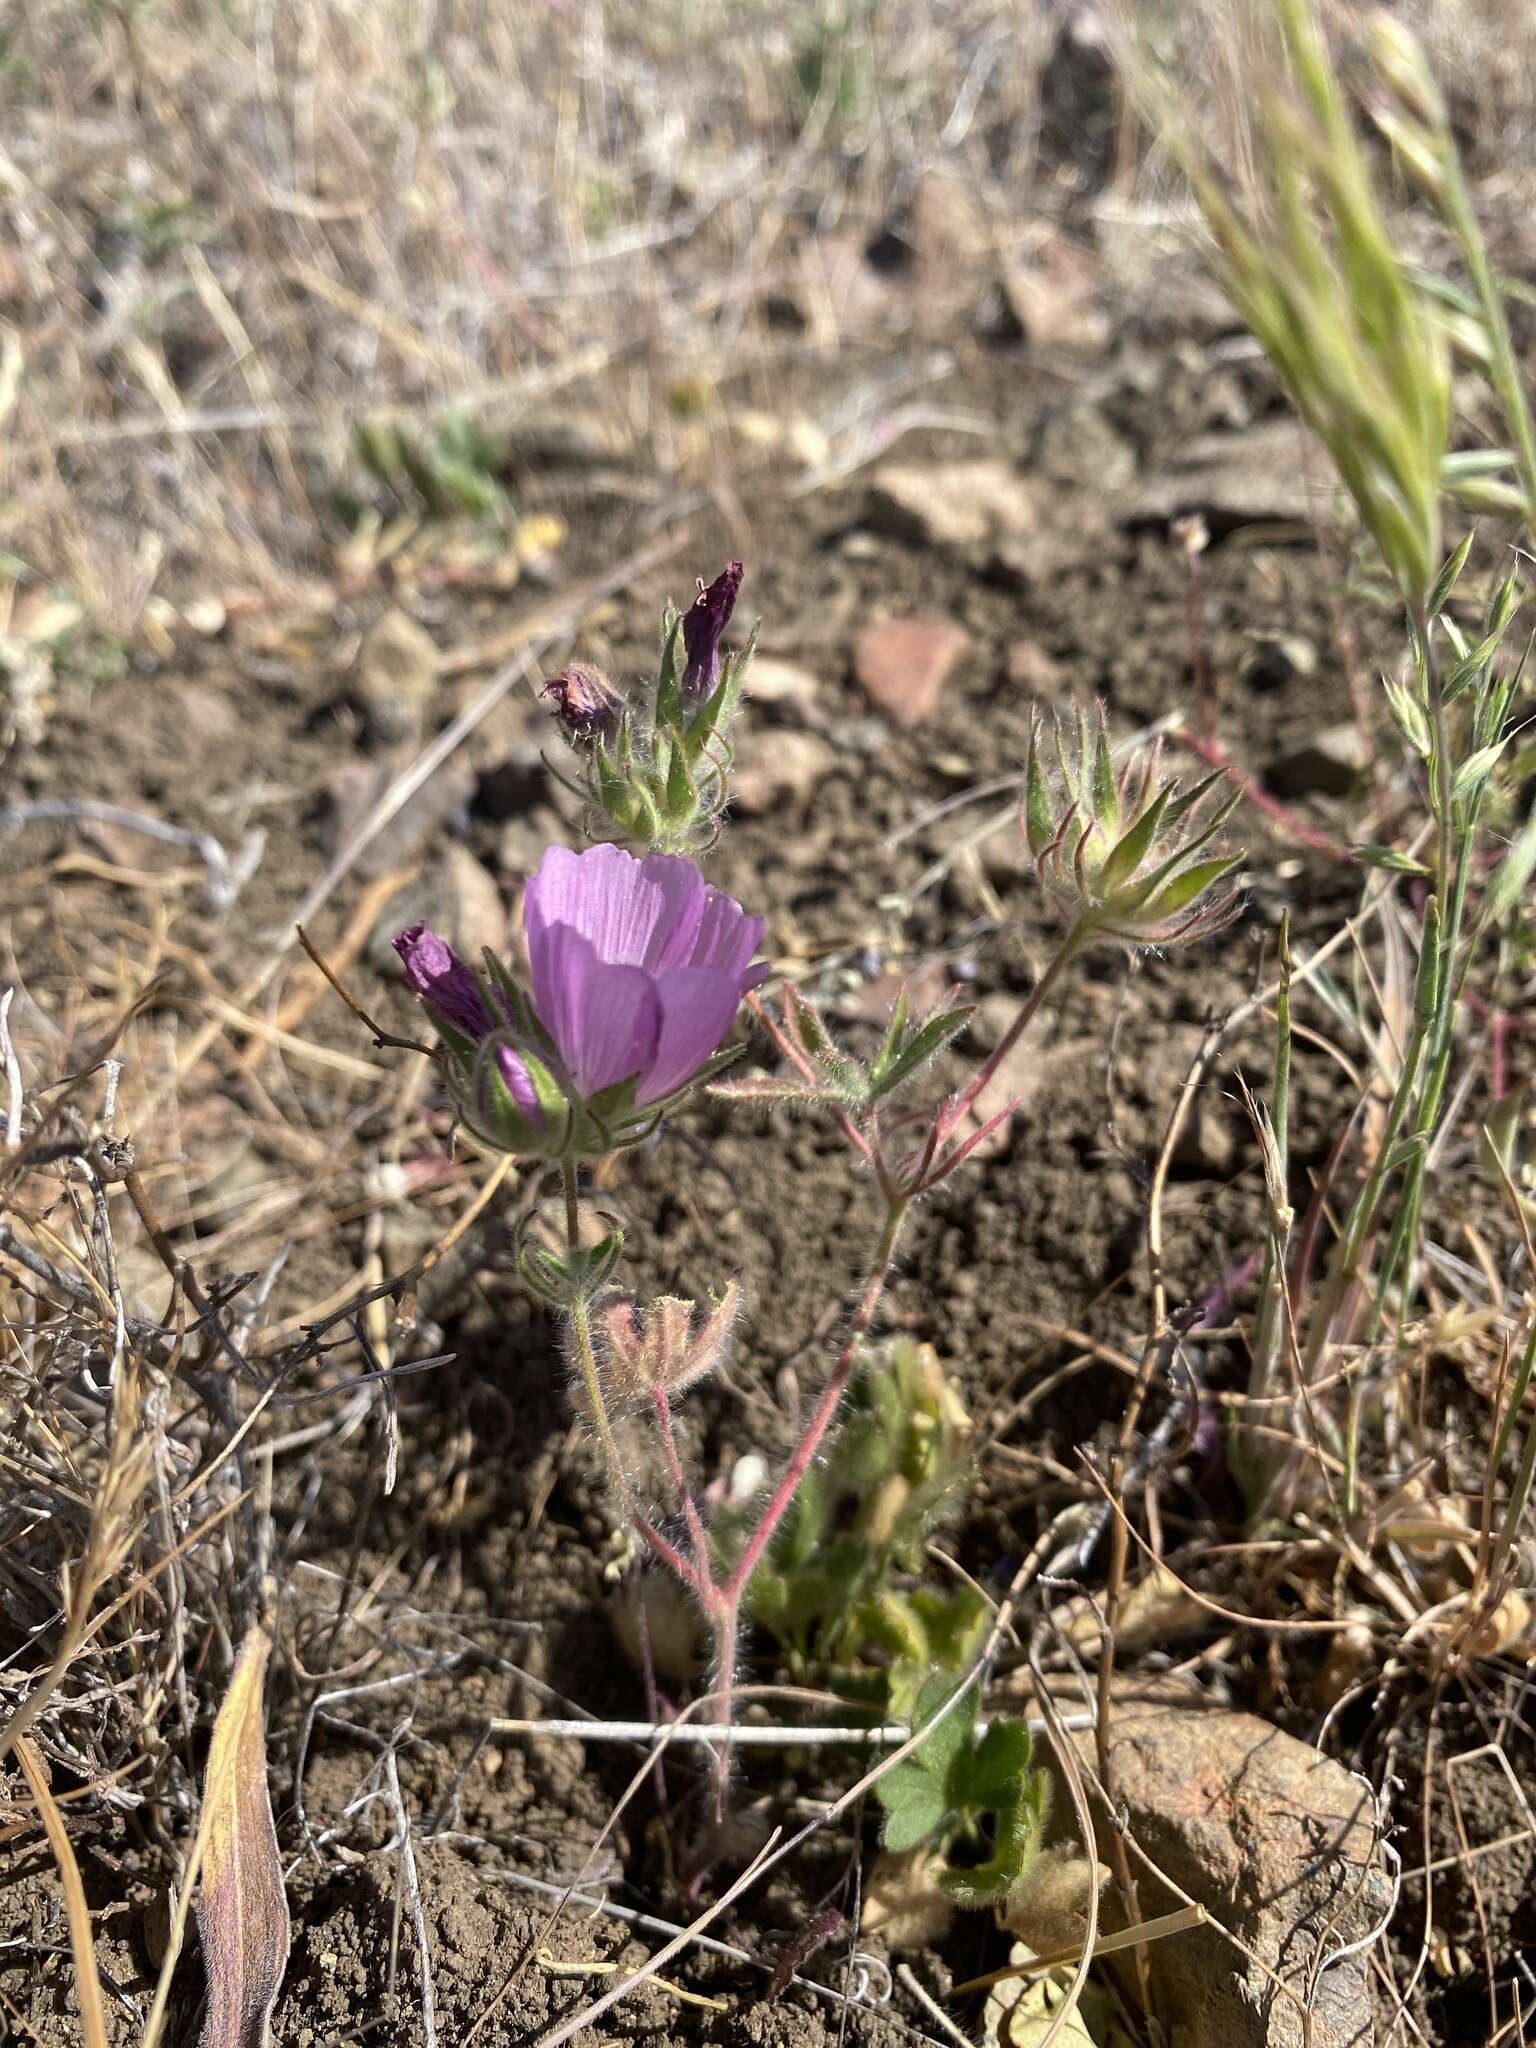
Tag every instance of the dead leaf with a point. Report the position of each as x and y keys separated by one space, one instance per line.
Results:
x=243 y=1911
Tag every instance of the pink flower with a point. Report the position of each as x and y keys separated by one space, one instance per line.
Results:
x=639 y=966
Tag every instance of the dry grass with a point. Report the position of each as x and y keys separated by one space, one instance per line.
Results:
x=232 y=235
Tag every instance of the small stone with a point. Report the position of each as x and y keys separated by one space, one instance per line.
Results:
x=950 y=504
x=902 y=665
x=1030 y=669
x=206 y=616
x=770 y=681
x=1257 y=478
x=1207 y=1146
x=526 y=837
x=1050 y=304
x=780 y=767
x=1076 y=444
x=395 y=677
x=1275 y=659
x=1328 y=763
x=1276 y=1841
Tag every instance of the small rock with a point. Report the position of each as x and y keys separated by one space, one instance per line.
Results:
x=1030 y=669
x=1049 y=304
x=525 y=839
x=207 y=718
x=1076 y=444
x=782 y=682
x=1276 y=1841
x=1256 y=478
x=1207 y=1147
x=394 y=677
x=902 y=665
x=457 y=898
x=950 y=504
x=1274 y=659
x=781 y=766
x=1327 y=763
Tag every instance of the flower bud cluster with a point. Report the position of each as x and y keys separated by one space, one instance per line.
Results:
x=655 y=763
x=1119 y=851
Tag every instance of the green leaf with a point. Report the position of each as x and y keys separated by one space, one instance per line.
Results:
x=952 y=1736
x=997 y=1767
x=1184 y=888
x=669 y=695
x=927 y=1040
x=1039 y=827
x=1447 y=580
x=1512 y=875
x=1106 y=797
x=806 y=1024
x=1474 y=771
x=1127 y=855
x=915 y=1806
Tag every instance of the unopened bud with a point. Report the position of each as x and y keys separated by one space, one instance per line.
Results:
x=1119 y=851
x=587 y=705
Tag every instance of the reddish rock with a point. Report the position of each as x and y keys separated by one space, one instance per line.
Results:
x=902 y=665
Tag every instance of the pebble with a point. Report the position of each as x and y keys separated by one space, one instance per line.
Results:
x=902 y=665
x=951 y=504
x=394 y=677
x=778 y=767
x=1275 y=1840
x=1328 y=763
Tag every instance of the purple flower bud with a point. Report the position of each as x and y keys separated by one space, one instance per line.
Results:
x=444 y=982
x=704 y=625
x=587 y=705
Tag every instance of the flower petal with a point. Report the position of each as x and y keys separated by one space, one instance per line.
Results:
x=603 y=893
x=697 y=1006
x=604 y=1018
x=727 y=937
x=443 y=981
x=684 y=895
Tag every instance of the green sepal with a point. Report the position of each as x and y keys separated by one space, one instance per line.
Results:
x=1039 y=826
x=562 y=1279
x=670 y=708
x=1184 y=888
x=1127 y=855
x=1391 y=860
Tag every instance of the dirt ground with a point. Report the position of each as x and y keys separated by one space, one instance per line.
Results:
x=482 y=1583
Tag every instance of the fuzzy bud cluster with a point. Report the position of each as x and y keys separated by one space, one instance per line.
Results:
x=1120 y=852
x=655 y=763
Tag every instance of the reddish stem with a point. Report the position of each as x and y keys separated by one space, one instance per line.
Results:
x=1215 y=756
x=703 y=1582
